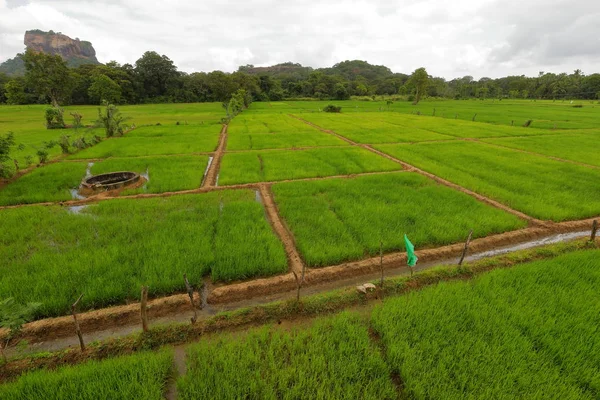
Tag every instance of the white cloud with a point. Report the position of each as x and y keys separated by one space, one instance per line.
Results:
x=449 y=38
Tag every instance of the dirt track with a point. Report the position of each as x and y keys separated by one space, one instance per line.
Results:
x=213 y=171
x=294 y=259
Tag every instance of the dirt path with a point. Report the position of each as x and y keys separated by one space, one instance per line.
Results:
x=294 y=260
x=108 y=322
x=180 y=368
x=409 y=167
x=213 y=170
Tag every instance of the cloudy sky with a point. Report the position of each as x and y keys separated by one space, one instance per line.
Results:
x=451 y=38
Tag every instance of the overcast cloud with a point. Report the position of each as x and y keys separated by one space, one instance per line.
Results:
x=450 y=38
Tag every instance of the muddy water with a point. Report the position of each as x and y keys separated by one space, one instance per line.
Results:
x=209 y=310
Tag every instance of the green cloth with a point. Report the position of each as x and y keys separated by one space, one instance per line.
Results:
x=411 y=258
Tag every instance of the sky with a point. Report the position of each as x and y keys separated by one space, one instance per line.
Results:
x=450 y=38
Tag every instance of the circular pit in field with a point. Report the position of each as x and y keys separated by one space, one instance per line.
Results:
x=110 y=181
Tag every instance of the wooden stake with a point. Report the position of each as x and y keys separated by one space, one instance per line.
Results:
x=190 y=292
x=594 y=230
x=144 y=308
x=381 y=262
x=474 y=117
x=297 y=286
x=464 y=253
x=77 y=329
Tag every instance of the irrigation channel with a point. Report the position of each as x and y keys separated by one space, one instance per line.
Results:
x=121 y=330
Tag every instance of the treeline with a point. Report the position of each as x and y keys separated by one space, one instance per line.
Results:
x=155 y=79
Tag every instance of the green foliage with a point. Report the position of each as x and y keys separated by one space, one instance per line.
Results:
x=330 y=108
x=264 y=166
x=48 y=75
x=334 y=359
x=15 y=92
x=54 y=118
x=346 y=219
x=104 y=90
x=111 y=120
x=528 y=332
x=139 y=376
x=12 y=317
x=419 y=80
x=6 y=144
x=109 y=249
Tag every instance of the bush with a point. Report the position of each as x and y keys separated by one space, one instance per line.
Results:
x=332 y=109
x=54 y=118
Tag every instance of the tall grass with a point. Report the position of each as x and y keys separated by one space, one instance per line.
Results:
x=252 y=123
x=279 y=165
x=582 y=147
x=139 y=376
x=108 y=250
x=51 y=182
x=345 y=219
x=288 y=140
x=166 y=173
x=535 y=185
x=334 y=359
x=529 y=332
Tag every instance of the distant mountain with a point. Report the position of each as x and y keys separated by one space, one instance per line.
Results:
x=74 y=51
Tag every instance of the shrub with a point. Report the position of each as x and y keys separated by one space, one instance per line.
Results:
x=54 y=118
x=332 y=109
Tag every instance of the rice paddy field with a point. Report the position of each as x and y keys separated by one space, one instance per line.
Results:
x=528 y=331
x=338 y=182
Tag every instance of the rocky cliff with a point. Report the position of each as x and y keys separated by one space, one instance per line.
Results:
x=76 y=52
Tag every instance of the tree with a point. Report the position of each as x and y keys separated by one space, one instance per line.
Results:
x=6 y=144
x=419 y=79
x=15 y=92
x=156 y=73
x=48 y=75
x=104 y=89
x=12 y=317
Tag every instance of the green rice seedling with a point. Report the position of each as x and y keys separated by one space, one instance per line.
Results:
x=251 y=123
x=528 y=332
x=109 y=249
x=264 y=141
x=280 y=165
x=149 y=146
x=200 y=130
x=165 y=173
x=52 y=182
x=582 y=147
x=334 y=359
x=139 y=376
x=346 y=219
x=538 y=186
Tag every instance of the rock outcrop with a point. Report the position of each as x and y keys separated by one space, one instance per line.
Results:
x=74 y=51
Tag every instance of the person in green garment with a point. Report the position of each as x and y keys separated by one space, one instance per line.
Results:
x=411 y=257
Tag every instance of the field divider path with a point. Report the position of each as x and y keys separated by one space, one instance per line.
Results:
x=205 y=189
x=293 y=255
x=213 y=171
x=412 y=168
x=235 y=295
x=533 y=153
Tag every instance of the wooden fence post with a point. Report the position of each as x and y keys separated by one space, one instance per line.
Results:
x=298 y=284
x=594 y=230
x=144 y=308
x=190 y=292
x=464 y=253
x=381 y=263
x=77 y=329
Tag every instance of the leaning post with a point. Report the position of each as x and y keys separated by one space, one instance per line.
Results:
x=144 y=308
x=77 y=329
x=190 y=292
x=594 y=230
x=464 y=253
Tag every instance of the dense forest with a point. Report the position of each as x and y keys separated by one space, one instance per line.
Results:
x=154 y=78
